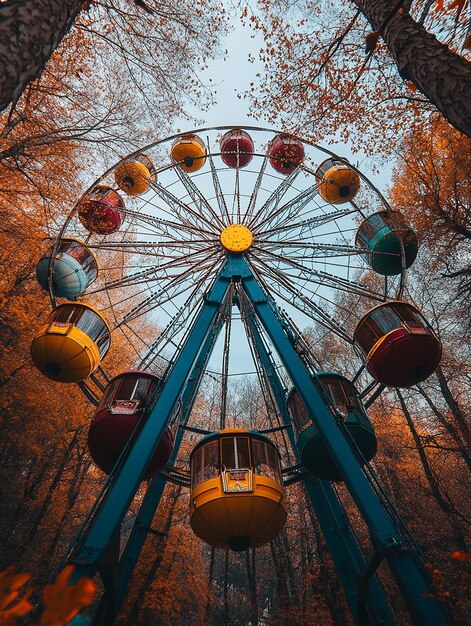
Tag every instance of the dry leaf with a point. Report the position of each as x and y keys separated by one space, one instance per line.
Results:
x=371 y=41
x=62 y=601
x=460 y=555
x=10 y=607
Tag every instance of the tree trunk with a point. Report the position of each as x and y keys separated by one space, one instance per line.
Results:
x=252 y=582
x=331 y=593
x=441 y=75
x=52 y=487
x=210 y=586
x=72 y=495
x=226 y=588
x=30 y=31
x=441 y=500
x=449 y=427
x=454 y=406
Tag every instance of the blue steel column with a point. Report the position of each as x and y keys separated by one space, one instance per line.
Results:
x=386 y=540
x=112 y=510
x=156 y=487
x=332 y=517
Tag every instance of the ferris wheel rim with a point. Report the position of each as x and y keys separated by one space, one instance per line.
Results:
x=253 y=218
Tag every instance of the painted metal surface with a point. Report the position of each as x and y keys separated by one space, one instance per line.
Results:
x=189 y=152
x=113 y=599
x=367 y=601
x=70 y=345
x=237 y=148
x=114 y=507
x=386 y=540
x=410 y=575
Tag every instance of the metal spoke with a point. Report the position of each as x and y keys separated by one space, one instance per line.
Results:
x=321 y=278
x=265 y=212
x=292 y=208
x=336 y=250
x=166 y=227
x=149 y=274
x=151 y=301
x=219 y=192
x=175 y=326
x=237 y=197
x=198 y=198
x=297 y=299
x=315 y=222
x=181 y=208
x=254 y=196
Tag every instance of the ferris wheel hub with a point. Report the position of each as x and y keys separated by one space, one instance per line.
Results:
x=236 y=238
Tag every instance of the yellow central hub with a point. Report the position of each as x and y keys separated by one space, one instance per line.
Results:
x=236 y=238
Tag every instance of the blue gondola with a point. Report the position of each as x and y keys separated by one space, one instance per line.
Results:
x=384 y=235
x=345 y=403
x=75 y=268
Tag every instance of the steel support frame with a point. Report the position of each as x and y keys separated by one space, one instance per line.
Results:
x=113 y=599
x=367 y=602
x=387 y=541
x=410 y=576
x=107 y=520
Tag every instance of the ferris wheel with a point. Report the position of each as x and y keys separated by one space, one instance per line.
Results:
x=147 y=238
x=171 y=239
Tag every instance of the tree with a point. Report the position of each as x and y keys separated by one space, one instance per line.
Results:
x=29 y=34
x=319 y=77
x=120 y=77
x=155 y=42
x=432 y=187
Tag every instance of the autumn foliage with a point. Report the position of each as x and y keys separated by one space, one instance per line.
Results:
x=324 y=82
x=361 y=71
x=12 y=606
x=61 y=599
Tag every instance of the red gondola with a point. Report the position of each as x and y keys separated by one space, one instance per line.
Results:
x=102 y=210
x=236 y=148
x=125 y=401
x=397 y=344
x=285 y=153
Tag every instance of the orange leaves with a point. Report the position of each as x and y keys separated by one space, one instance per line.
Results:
x=11 y=607
x=460 y=555
x=458 y=4
x=62 y=600
x=454 y=4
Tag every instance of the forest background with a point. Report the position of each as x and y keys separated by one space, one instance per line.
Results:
x=392 y=79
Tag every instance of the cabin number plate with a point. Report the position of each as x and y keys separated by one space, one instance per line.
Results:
x=237 y=480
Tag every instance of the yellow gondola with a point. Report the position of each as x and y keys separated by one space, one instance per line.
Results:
x=135 y=175
x=72 y=343
x=189 y=152
x=339 y=182
x=237 y=495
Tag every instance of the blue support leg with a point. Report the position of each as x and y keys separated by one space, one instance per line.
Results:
x=154 y=493
x=387 y=541
x=369 y=608
x=119 y=497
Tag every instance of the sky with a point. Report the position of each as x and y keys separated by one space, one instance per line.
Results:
x=231 y=76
